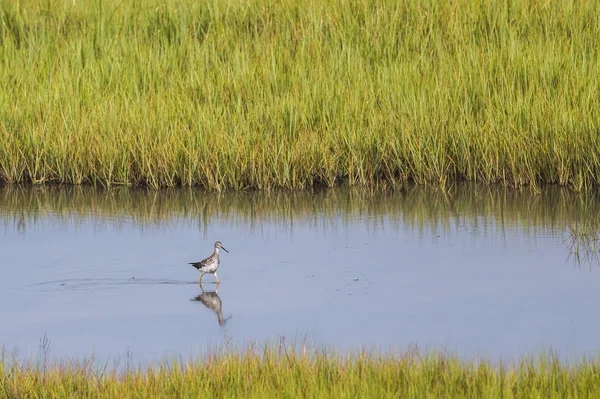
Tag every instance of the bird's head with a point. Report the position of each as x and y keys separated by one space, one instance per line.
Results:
x=219 y=245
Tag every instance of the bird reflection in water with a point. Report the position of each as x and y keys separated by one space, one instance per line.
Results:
x=211 y=300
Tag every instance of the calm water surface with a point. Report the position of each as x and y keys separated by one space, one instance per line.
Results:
x=480 y=272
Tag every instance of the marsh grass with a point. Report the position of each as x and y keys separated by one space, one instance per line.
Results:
x=295 y=93
x=280 y=370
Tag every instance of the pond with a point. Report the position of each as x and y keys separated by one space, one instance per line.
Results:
x=477 y=271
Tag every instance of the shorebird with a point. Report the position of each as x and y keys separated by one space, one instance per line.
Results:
x=210 y=264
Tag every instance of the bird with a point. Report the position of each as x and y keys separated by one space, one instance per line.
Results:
x=211 y=300
x=211 y=264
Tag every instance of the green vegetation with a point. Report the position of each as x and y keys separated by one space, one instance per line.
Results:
x=294 y=93
x=277 y=371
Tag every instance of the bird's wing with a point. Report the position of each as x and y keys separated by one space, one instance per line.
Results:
x=200 y=264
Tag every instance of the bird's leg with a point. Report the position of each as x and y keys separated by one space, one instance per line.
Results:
x=217 y=278
x=200 y=278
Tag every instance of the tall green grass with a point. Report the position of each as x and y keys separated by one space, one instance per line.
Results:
x=277 y=372
x=294 y=93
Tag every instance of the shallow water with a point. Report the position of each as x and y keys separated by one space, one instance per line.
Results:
x=480 y=272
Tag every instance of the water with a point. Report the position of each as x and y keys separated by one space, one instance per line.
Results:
x=480 y=272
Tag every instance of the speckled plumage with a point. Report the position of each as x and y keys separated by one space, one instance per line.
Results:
x=211 y=264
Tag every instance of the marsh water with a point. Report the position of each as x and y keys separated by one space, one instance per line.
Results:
x=477 y=271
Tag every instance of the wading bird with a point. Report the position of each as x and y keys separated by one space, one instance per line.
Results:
x=210 y=264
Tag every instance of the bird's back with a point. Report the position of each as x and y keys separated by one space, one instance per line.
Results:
x=204 y=263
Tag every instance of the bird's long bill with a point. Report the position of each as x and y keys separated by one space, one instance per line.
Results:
x=223 y=248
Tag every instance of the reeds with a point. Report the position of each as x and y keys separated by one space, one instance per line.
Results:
x=285 y=371
x=295 y=93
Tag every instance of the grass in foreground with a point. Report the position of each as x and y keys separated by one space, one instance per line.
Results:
x=294 y=93
x=279 y=372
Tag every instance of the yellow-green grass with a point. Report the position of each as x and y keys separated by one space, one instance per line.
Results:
x=294 y=93
x=280 y=372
